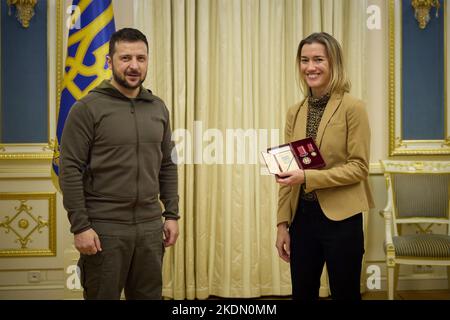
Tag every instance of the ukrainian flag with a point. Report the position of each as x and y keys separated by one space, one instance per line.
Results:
x=91 y=26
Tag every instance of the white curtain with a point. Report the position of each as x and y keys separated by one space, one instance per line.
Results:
x=229 y=65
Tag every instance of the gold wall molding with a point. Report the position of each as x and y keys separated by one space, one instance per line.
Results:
x=437 y=167
x=24 y=224
x=19 y=173
x=25 y=151
x=375 y=168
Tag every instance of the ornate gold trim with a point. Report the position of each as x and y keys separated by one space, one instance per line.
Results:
x=25 y=172
x=39 y=222
x=24 y=10
x=398 y=146
x=1 y=81
x=26 y=156
x=40 y=151
x=24 y=223
x=392 y=141
x=59 y=60
x=414 y=167
x=422 y=11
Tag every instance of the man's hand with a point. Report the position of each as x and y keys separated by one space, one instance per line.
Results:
x=87 y=242
x=170 y=232
x=291 y=178
x=283 y=243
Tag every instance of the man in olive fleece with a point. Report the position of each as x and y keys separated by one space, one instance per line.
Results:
x=115 y=166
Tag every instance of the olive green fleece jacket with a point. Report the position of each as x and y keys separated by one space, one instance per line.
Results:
x=115 y=159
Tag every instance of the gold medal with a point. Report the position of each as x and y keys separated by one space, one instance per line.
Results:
x=306 y=160
x=313 y=153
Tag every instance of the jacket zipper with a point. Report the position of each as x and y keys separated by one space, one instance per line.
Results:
x=133 y=111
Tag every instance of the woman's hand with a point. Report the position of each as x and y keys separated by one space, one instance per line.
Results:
x=283 y=243
x=291 y=178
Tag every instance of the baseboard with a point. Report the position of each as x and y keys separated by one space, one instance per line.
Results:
x=429 y=283
x=39 y=292
x=59 y=291
x=415 y=283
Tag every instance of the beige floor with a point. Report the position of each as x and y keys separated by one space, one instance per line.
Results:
x=378 y=295
x=382 y=295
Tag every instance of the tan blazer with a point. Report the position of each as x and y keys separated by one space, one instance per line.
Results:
x=343 y=138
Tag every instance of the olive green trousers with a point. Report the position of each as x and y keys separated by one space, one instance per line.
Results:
x=130 y=260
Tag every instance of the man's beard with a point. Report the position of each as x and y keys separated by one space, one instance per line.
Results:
x=123 y=81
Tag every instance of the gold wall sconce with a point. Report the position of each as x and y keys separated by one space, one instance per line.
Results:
x=422 y=10
x=24 y=10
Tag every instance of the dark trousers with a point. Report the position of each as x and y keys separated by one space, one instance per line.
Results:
x=316 y=240
x=131 y=259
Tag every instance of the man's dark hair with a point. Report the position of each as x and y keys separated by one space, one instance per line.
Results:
x=127 y=35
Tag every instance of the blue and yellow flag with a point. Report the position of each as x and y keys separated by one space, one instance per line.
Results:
x=91 y=26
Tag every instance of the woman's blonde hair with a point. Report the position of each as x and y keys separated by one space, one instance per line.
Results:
x=339 y=81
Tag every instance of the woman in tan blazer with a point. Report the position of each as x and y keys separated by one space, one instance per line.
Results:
x=320 y=210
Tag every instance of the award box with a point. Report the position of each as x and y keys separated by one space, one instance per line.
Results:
x=300 y=154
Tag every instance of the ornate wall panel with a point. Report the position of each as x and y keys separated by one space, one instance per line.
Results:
x=27 y=224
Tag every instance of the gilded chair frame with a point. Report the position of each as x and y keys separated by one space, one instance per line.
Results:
x=39 y=151
x=393 y=222
x=397 y=144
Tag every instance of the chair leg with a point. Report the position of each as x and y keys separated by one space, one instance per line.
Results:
x=448 y=277
x=396 y=272
x=390 y=282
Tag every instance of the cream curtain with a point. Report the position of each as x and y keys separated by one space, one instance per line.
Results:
x=229 y=65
